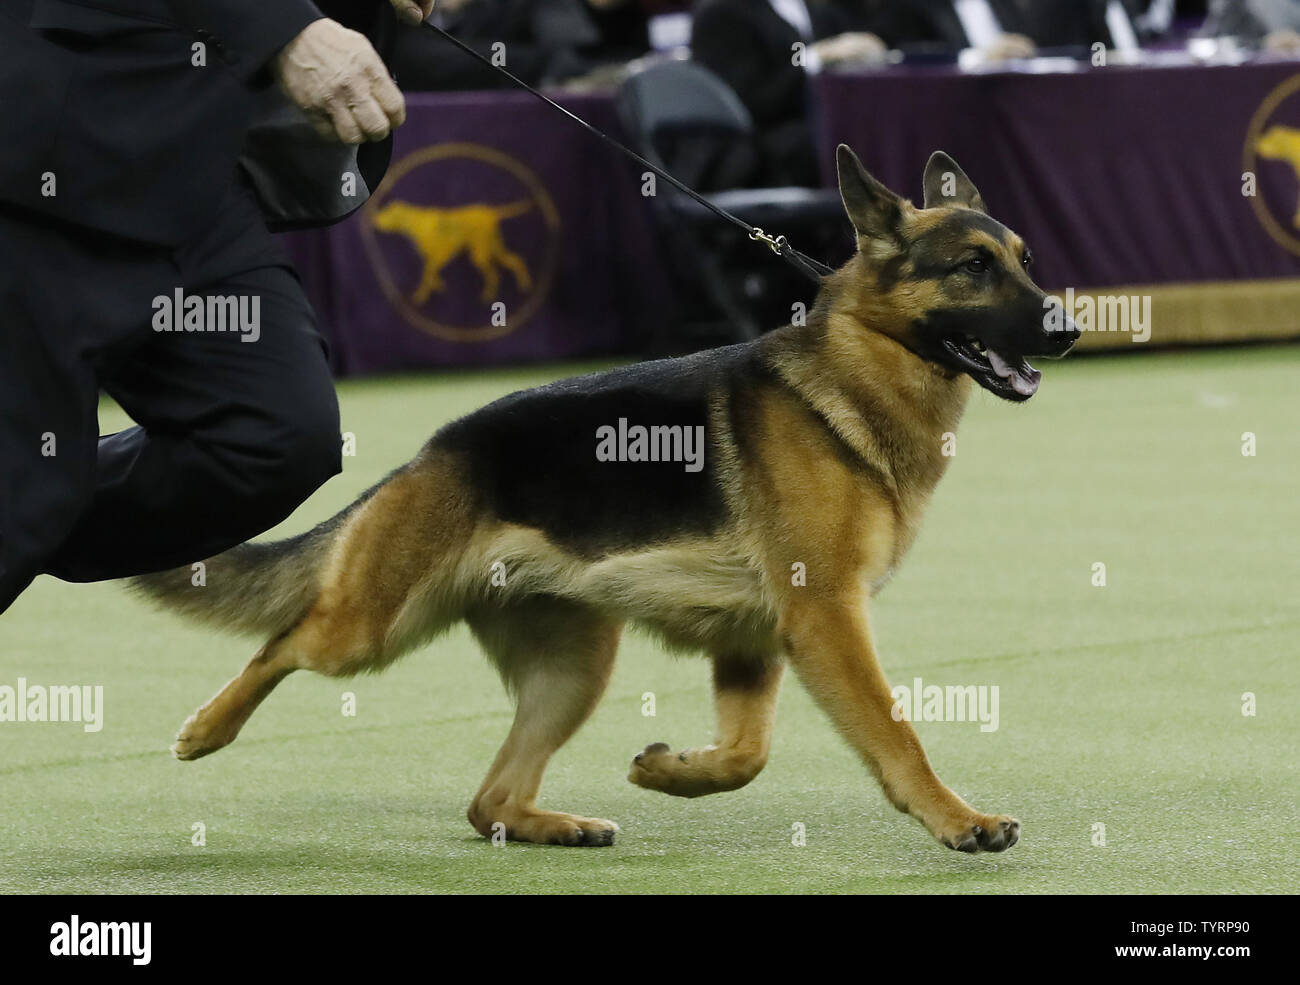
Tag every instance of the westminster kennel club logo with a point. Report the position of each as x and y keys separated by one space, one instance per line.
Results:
x=464 y=240
x=1271 y=164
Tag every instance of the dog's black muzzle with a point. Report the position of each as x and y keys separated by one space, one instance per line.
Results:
x=992 y=344
x=1059 y=330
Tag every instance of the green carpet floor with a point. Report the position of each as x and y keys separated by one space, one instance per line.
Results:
x=1120 y=706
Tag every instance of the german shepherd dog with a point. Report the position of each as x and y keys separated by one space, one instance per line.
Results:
x=821 y=444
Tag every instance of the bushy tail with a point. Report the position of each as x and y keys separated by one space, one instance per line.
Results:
x=262 y=588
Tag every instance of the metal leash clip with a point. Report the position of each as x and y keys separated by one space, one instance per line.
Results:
x=777 y=243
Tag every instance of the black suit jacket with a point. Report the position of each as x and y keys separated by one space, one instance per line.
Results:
x=1074 y=23
x=942 y=16
x=749 y=45
x=106 y=108
x=544 y=40
x=904 y=22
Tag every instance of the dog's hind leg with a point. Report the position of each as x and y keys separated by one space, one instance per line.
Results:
x=555 y=657
x=379 y=595
x=216 y=724
x=335 y=638
x=745 y=692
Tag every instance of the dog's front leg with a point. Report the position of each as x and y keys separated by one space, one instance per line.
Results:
x=745 y=689
x=830 y=648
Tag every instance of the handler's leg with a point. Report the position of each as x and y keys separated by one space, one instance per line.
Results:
x=232 y=434
x=66 y=295
x=47 y=443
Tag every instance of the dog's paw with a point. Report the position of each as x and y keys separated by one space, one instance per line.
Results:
x=198 y=737
x=544 y=827
x=693 y=772
x=652 y=768
x=990 y=833
x=547 y=828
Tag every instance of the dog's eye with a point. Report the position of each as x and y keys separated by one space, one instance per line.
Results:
x=977 y=266
x=1027 y=259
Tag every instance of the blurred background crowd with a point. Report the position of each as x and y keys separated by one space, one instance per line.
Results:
x=1115 y=135
x=580 y=44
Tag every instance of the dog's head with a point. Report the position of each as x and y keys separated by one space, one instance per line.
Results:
x=949 y=282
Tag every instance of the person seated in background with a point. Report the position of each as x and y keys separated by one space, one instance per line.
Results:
x=1083 y=23
x=994 y=28
x=624 y=26
x=764 y=49
x=545 y=42
x=1273 y=25
x=1159 y=16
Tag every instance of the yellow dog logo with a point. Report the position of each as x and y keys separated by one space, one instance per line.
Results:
x=1274 y=136
x=440 y=235
x=1280 y=143
x=452 y=218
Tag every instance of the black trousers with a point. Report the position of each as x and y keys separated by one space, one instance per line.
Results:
x=232 y=433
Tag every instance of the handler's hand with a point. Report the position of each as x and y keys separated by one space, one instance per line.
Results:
x=337 y=79
x=1009 y=47
x=1283 y=41
x=412 y=11
x=854 y=46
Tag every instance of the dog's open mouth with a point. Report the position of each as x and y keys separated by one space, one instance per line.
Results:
x=1008 y=376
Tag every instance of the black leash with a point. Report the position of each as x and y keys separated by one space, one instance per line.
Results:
x=779 y=245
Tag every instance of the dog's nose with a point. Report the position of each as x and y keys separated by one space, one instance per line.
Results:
x=1056 y=319
x=1062 y=335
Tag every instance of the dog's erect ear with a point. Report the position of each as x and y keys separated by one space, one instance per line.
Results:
x=874 y=210
x=946 y=184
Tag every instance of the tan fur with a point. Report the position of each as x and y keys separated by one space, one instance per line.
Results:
x=845 y=449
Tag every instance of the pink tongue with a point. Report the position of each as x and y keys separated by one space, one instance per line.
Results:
x=1023 y=385
x=1018 y=376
